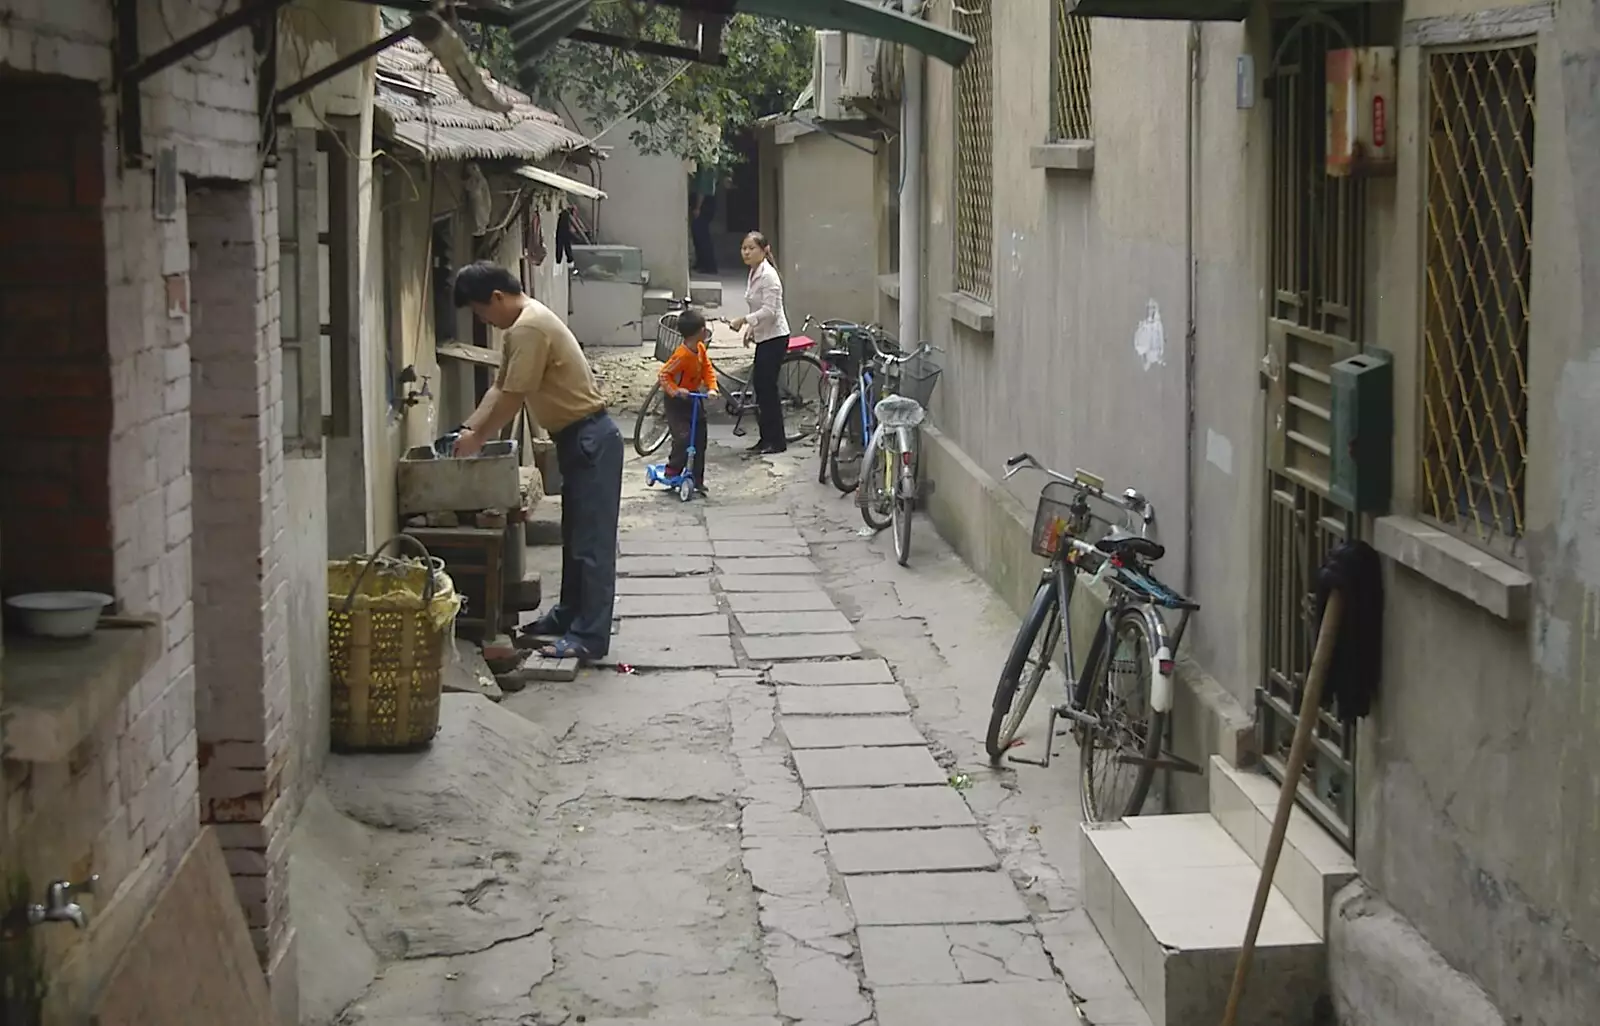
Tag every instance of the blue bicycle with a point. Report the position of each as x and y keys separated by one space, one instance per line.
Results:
x=856 y=418
x=683 y=480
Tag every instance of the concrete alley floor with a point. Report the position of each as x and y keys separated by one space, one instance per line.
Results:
x=783 y=815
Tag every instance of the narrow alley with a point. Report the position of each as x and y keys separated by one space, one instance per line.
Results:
x=779 y=811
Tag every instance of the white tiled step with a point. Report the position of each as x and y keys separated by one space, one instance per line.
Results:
x=1171 y=895
x=1312 y=866
x=706 y=293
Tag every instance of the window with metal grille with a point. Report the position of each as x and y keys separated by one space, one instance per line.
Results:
x=975 y=154
x=1071 y=114
x=1477 y=272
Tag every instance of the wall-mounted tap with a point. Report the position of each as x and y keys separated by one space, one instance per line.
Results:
x=416 y=395
x=60 y=905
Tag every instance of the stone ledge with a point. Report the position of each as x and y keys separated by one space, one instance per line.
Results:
x=58 y=692
x=1071 y=157
x=974 y=313
x=1454 y=565
x=889 y=285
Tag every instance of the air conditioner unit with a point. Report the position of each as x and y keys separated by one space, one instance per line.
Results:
x=860 y=68
x=827 y=83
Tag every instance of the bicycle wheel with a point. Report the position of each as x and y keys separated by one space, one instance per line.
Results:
x=1119 y=694
x=876 y=493
x=651 y=430
x=1025 y=668
x=830 y=410
x=800 y=381
x=844 y=462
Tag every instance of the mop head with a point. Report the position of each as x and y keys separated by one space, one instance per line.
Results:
x=1357 y=662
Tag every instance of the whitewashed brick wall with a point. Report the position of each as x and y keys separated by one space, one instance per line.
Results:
x=133 y=794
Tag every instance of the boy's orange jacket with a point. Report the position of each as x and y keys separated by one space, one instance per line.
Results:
x=689 y=369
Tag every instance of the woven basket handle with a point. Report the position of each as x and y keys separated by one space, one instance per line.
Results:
x=394 y=543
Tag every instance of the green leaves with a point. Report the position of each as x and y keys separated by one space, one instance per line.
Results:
x=676 y=107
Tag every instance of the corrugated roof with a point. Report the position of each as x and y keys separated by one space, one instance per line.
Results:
x=429 y=114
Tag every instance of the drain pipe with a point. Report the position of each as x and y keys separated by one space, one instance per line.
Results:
x=911 y=174
x=1191 y=113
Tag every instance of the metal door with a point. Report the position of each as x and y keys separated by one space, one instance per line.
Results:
x=1316 y=273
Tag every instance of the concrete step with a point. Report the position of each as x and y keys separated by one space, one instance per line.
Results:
x=1171 y=896
x=706 y=293
x=656 y=303
x=1312 y=867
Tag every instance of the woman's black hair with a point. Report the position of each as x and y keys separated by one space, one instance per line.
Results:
x=479 y=281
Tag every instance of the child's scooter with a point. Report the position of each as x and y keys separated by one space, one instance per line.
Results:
x=683 y=480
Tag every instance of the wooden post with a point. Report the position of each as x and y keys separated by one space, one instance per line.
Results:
x=1310 y=709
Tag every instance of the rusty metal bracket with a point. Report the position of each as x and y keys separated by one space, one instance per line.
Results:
x=132 y=68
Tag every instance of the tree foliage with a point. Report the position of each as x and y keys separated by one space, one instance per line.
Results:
x=685 y=108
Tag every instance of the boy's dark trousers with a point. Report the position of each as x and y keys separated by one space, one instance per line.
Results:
x=680 y=412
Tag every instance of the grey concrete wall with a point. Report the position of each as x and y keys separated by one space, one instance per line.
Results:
x=1478 y=773
x=828 y=254
x=646 y=204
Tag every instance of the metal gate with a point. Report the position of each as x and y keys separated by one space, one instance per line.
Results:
x=1314 y=320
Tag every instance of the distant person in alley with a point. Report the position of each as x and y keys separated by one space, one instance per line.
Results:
x=767 y=326
x=543 y=369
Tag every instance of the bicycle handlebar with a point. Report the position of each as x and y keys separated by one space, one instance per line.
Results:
x=1130 y=500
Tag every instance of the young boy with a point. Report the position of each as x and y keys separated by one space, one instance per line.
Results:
x=688 y=370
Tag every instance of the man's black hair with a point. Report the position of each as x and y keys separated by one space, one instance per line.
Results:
x=479 y=281
x=691 y=323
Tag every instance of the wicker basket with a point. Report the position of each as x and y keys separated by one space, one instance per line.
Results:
x=388 y=621
x=667 y=336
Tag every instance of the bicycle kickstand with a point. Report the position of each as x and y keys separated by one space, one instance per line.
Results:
x=1049 y=743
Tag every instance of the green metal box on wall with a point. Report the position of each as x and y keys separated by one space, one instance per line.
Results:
x=1362 y=454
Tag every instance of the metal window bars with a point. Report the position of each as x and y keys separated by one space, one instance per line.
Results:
x=1072 y=112
x=1477 y=274
x=975 y=153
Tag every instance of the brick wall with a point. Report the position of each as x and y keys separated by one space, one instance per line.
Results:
x=127 y=805
x=55 y=370
x=239 y=513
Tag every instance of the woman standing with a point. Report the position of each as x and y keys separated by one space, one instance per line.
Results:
x=768 y=327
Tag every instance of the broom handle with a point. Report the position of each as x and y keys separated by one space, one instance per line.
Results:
x=1310 y=709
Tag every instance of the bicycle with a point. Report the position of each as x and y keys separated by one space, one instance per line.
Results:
x=837 y=366
x=1103 y=720
x=856 y=418
x=796 y=374
x=888 y=490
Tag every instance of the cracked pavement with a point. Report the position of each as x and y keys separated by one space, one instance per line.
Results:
x=715 y=839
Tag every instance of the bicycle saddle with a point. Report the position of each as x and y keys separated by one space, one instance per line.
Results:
x=1121 y=543
x=898 y=411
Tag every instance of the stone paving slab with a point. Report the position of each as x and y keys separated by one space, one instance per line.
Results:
x=538 y=667
x=771 y=647
x=962 y=1004
x=663 y=586
x=765 y=583
x=750 y=516
x=665 y=605
x=662 y=526
x=833 y=673
x=832 y=622
x=671 y=653
x=910 y=851
x=891 y=808
x=771 y=547
x=701 y=625
x=736 y=530
x=895 y=956
x=762 y=565
x=866 y=767
x=913 y=899
x=844 y=700
x=746 y=509
x=851 y=731
x=780 y=602
x=663 y=546
x=662 y=566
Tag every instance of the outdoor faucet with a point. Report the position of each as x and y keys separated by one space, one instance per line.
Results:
x=59 y=906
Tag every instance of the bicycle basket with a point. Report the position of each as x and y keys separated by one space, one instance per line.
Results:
x=1054 y=520
x=918 y=375
x=858 y=344
x=667 y=336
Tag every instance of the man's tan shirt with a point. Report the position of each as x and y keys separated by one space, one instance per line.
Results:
x=541 y=361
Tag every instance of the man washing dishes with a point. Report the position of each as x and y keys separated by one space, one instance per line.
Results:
x=543 y=369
